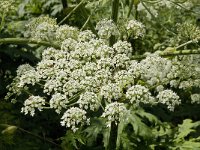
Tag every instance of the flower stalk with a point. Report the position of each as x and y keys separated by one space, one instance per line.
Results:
x=114 y=17
x=27 y=41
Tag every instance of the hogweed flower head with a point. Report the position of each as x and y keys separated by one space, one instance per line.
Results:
x=41 y=28
x=32 y=103
x=58 y=101
x=195 y=98
x=106 y=28
x=114 y=112
x=111 y=91
x=135 y=29
x=74 y=117
x=169 y=98
x=139 y=94
x=64 y=32
x=89 y=100
x=123 y=47
x=86 y=36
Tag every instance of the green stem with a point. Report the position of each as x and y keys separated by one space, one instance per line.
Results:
x=86 y=22
x=64 y=4
x=168 y=54
x=27 y=41
x=85 y=15
x=184 y=44
x=71 y=12
x=136 y=12
x=113 y=136
x=130 y=9
x=30 y=133
x=114 y=127
x=114 y=17
x=149 y=11
x=2 y=21
x=39 y=137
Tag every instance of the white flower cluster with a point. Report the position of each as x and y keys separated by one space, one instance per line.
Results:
x=123 y=47
x=115 y=112
x=157 y=70
x=74 y=117
x=195 y=98
x=188 y=31
x=58 y=101
x=169 y=98
x=42 y=28
x=139 y=94
x=89 y=100
x=124 y=78
x=111 y=91
x=6 y=6
x=87 y=64
x=23 y=68
x=86 y=36
x=135 y=29
x=32 y=103
x=188 y=71
x=106 y=28
x=121 y=61
x=64 y=32
x=44 y=31
x=29 y=77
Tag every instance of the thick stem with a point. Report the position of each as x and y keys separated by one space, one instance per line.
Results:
x=64 y=3
x=168 y=54
x=27 y=41
x=114 y=17
x=113 y=131
x=113 y=136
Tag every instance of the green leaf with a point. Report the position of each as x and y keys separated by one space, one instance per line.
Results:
x=139 y=127
x=186 y=128
x=95 y=128
x=72 y=139
x=190 y=145
x=150 y=117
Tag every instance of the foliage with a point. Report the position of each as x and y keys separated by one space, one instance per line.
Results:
x=111 y=72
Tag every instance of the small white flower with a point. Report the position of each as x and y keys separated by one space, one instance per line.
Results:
x=58 y=101
x=32 y=103
x=139 y=94
x=111 y=91
x=86 y=36
x=74 y=117
x=169 y=98
x=195 y=98
x=135 y=29
x=65 y=32
x=123 y=47
x=89 y=100
x=114 y=112
x=106 y=28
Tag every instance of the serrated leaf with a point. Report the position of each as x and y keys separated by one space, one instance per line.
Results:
x=189 y=145
x=94 y=129
x=139 y=127
x=186 y=128
x=150 y=117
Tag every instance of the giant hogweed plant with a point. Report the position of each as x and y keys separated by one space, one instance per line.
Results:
x=100 y=88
